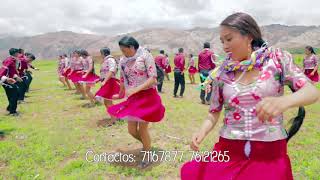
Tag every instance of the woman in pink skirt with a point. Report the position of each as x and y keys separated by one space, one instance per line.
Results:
x=75 y=74
x=250 y=87
x=61 y=66
x=110 y=85
x=167 y=69
x=138 y=83
x=192 y=69
x=311 y=64
x=66 y=70
x=89 y=77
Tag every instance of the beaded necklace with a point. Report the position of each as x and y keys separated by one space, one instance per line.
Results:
x=256 y=61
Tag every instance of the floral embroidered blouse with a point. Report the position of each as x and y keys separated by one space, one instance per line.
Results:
x=77 y=64
x=61 y=65
x=191 y=62
x=109 y=64
x=239 y=100
x=136 y=70
x=311 y=62
x=87 y=62
x=67 y=62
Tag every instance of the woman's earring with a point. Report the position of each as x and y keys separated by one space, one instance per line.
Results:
x=249 y=50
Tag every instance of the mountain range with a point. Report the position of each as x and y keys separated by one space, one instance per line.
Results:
x=50 y=45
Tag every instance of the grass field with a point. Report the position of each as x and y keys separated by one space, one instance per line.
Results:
x=53 y=134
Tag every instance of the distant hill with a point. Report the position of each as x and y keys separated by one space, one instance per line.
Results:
x=49 y=45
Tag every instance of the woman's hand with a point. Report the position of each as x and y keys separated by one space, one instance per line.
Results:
x=131 y=91
x=11 y=81
x=118 y=96
x=270 y=107
x=19 y=79
x=197 y=138
x=312 y=73
x=121 y=92
x=85 y=76
x=149 y=83
x=103 y=82
x=206 y=127
x=274 y=106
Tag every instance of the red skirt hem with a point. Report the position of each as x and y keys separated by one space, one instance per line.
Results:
x=145 y=106
x=266 y=160
x=110 y=88
x=314 y=78
x=168 y=69
x=76 y=76
x=92 y=78
x=192 y=70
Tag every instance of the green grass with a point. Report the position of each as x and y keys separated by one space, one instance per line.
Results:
x=54 y=133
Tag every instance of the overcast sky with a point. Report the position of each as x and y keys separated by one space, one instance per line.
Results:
x=110 y=17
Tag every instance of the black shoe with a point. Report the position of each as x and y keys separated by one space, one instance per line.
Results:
x=175 y=96
x=203 y=102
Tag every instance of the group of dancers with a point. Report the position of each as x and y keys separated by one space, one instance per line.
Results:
x=248 y=85
x=206 y=64
x=16 y=77
x=137 y=84
x=79 y=70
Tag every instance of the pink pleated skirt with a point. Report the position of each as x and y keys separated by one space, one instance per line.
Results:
x=265 y=161
x=145 y=106
x=314 y=77
x=168 y=69
x=92 y=78
x=65 y=74
x=192 y=70
x=110 y=88
x=76 y=76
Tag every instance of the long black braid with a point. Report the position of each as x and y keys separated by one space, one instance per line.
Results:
x=296 y=122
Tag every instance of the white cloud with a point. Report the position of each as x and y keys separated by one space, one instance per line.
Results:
x=109 y=17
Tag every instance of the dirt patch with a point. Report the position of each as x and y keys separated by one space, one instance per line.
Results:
x=66 y=160
x=2 y=137
x=3 y=166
